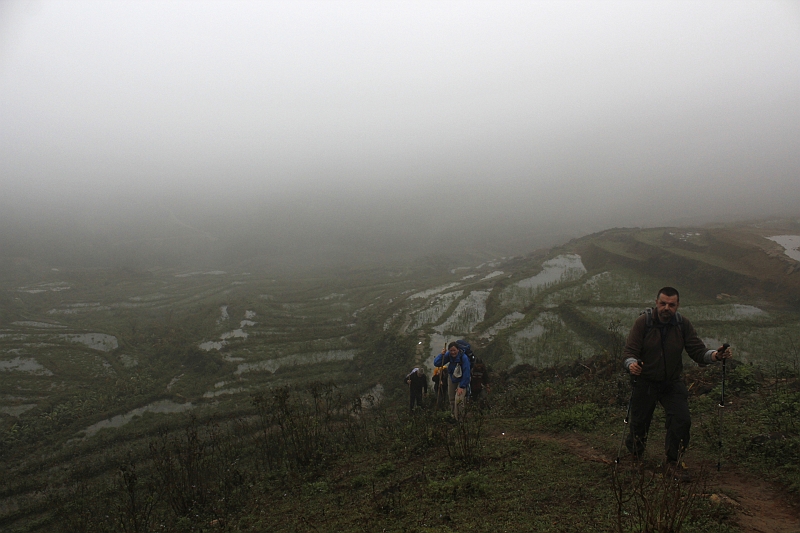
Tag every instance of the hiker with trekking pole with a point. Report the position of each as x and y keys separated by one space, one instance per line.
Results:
x=654 y=356
x=457 y=377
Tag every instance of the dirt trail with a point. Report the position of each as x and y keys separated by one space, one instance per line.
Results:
x=760 y=506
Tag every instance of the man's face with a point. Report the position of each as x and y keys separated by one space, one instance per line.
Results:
x=666 y=307
x=453 y=351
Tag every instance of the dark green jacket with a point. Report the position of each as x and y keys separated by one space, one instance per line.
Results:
x=663 y=356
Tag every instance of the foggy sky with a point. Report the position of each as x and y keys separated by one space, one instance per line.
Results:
x=402 y=116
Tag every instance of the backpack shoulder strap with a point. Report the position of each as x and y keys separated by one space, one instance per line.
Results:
x=649 y=313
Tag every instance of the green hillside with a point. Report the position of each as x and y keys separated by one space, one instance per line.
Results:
x=240 y=399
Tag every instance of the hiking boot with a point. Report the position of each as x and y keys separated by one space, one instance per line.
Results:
x=677 y=471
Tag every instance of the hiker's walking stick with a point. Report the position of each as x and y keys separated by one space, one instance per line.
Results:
x=627 y=419
x=441 y=380
x=722 y=406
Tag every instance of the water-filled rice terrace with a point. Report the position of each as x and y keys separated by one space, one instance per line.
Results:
x=205 y=337
x=92 y=364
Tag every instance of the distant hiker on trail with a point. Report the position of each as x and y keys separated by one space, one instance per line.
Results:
x=417 y=383
x=458 y=371
x=479 y=384
x=653 y=354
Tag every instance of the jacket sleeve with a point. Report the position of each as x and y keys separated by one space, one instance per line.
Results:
x=437 y=361
x=633 y=345
x=695 y=347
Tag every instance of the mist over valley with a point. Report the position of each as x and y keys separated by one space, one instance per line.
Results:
x=229 y=231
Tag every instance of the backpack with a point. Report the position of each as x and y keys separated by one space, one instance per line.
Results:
x=467 y=349
x=649 y=323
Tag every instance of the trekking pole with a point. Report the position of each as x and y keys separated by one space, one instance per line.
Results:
x=441 y=376
x=628 y=415
x=721 y=405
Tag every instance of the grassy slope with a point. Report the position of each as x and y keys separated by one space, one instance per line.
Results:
x=733 y=261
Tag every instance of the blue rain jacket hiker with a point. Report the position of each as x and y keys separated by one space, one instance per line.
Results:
x=452 y=363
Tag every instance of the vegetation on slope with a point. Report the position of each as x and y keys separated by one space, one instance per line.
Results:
x=330 y=446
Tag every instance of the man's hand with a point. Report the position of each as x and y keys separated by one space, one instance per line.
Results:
x=635 y=368
x=724 y=352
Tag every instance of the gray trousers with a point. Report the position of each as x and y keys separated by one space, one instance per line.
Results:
x=458 y=402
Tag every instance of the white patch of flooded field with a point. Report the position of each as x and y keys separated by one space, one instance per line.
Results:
x=24 y=364
x=128 y=361
x=163 y=406
x=249 y=315
x=332 y=296
x=436 y=309
x=212 y=345
x=546 y=342
x=271 y=365
x=16 y=410
x=215 y=393
x=562 y=268
x=95 y=341
x=235 y=334
x=197 y=273
x=685 y=236
x=173 y=381
x=491 y=275
x=606 y=287
x=435 y=290
x=469 y=312
x=730 y=312
x=74 y=309
x=148 y=297
x=388 y=322
x=57 y=286
x=504 y=323
x=790 y=243
x=41 y=325
x=13 y=336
